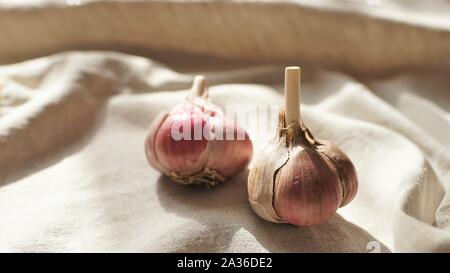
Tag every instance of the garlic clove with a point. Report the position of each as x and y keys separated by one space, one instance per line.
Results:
x=344 y=168
x=150 y=151
x=220 y=150
x=182 y=156
x=307 y=188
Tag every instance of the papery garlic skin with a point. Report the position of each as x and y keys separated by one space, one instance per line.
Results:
x=203 y=155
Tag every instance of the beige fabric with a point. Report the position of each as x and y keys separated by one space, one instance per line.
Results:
x=73 y=174
x=349 y=34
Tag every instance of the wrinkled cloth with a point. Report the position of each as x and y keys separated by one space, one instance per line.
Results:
x=74 y=175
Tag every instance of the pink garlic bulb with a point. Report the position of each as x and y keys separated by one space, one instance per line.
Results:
x=195 y=143
x=297 y=178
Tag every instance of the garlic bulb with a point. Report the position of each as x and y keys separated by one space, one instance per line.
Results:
x=194 y=143
x=298 y=179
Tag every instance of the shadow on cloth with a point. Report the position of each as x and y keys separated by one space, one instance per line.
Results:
x=74 y=143
x=213 y=209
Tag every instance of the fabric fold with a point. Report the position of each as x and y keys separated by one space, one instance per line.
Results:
x=89 y=113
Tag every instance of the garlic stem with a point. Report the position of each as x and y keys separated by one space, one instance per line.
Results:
x=292 y=94
x=199 y=86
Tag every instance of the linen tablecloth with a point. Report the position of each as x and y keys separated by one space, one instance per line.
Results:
x=74 y=115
